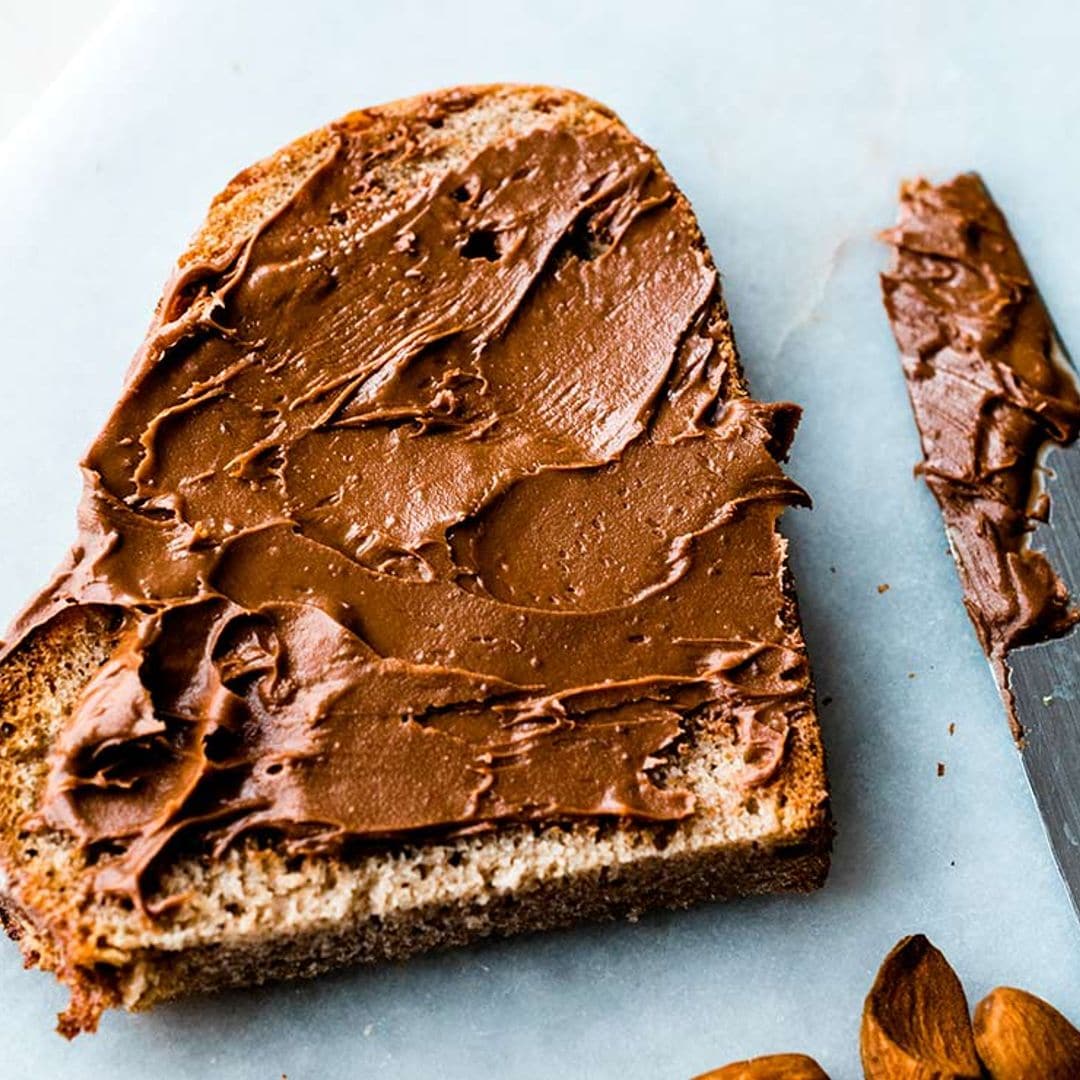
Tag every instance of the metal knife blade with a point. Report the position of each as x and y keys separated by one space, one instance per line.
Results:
x=1045 y=678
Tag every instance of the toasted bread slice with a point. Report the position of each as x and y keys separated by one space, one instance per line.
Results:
x=254 y=911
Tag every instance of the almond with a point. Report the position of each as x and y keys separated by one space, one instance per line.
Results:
x=915 y=1023
x=1018 y=1035
x=773 y=1067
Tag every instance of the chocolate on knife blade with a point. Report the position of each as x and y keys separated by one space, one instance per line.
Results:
x=989 y=389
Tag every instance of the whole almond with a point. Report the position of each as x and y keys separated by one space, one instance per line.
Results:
x=915 y=1023
x=1018 y=1035
x=773 y=1067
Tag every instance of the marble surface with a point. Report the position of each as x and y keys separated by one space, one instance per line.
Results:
x=36 y=43
x=789 y=125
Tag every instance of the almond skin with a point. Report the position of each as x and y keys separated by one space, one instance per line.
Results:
x=915 y=1023
x=1018 y=1035
x=772 y=1067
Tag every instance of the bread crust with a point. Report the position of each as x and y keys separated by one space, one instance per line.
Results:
x=255 y=914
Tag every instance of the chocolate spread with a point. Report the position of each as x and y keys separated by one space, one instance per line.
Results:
x=988 y=392
x=430 y=519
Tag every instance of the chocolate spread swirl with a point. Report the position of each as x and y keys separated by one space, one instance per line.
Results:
x=989 y=392
x=430 y=520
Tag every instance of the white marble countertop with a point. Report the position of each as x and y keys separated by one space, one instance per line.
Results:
x=789 y=125
x=37 y=41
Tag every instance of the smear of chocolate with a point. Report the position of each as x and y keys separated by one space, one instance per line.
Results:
x=989 y=391
x=429 y=522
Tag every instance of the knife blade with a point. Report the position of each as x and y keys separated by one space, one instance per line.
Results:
x=1044 y=679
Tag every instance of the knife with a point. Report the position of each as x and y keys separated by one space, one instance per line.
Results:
x=969 y=322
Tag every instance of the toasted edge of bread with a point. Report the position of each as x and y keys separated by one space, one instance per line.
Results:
x=255 y=914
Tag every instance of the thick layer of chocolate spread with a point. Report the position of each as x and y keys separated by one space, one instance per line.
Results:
x=431 y=521
x=988 y=394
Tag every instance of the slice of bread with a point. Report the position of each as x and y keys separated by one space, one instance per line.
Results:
x=255 y=912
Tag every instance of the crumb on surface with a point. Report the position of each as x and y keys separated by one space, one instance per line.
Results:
x=883 y=587
x=826 y=701
x=941 y=768
x=952 y=728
